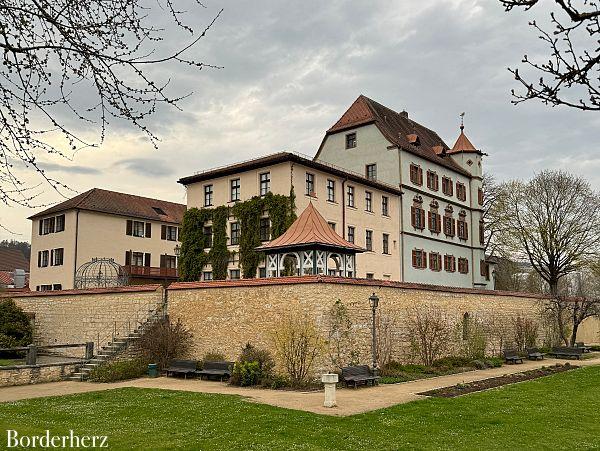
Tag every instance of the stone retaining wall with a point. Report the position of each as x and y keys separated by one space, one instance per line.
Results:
x=35 y=374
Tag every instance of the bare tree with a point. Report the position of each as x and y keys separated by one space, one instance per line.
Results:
x=571 y=74
x=554 y=223
x=80 y=61
x=495 y=215
x=429 y=332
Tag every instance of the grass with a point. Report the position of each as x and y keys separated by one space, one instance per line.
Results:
x=556 y=412
x=10 y=362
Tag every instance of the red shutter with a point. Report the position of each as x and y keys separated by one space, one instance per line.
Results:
x=148 y=230
x=146 y=259
x=420 y=176
x=127 y=258
x=424 y=259
x=129 y=227
x=430 y=224
x=453 y=226
x=163 y=232
x=439 y=258
x=414 y=258
x=412 y=216
x=422 y=218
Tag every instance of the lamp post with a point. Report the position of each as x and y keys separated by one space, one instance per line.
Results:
x=374 y=302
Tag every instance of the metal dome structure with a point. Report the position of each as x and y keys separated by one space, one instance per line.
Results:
x=101 y=273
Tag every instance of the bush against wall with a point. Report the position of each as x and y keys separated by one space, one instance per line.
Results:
x=341 y=345
x=526 y=332
x=252 y=367
x=192 y=257
x=298 y=343
x=119 y=370
x=429 y=332
x=385 y=327
x=15 y=326
x=471 y=337
x=165 y=341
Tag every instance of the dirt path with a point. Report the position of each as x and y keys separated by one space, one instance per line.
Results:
x=350 y=401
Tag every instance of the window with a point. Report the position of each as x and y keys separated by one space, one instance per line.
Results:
x=332 y=225
x=208 y=195
x=207 y=275
x=265 y=229
x=371 y=171
x=480 y=196
x=138 y=228
x=351 y=196
x=369 y=240
x=485 y=269
x=262 y=272
x=417 y=217
x=235 y=233
x=137 y=259
x=369 y=201
x=351 y=234
x=481 y=233
x=207 y=232
x=234 y=274
x=168 y=233
x=416 y=174
x=235 y=190
x=463 y=265
x=433 y=181
x=386 y=243
x=45 y=288
x=447 y=188
x=463 y=230
x=168 y=261
x=57 y=256
x=449 y=226
x=435 y=261
x=384 y=205
x=60 y=223
x=461 y=191
x=350 y=140
x=370 y=275
x=48 y=226
x=265 y=183
x=43 y=259
x=419 y=258
x=331 y=190
x=435 y=221
x=57 y=286
x=310 y=184
x=449 y=263
x=159 y=211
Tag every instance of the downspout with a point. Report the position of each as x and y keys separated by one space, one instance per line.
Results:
x=401 y=212
x=76 y=238
x=343 y=198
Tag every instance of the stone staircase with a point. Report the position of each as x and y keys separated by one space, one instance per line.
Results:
x=115 y=347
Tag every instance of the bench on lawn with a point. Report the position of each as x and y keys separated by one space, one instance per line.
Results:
x=216 y=368
x=581 y=345
x=535 y=354
x=512 y=356
x=360 y=374
x=566 y=352
x=184 y=367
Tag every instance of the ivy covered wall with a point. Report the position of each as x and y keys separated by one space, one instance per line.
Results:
x=280 y=209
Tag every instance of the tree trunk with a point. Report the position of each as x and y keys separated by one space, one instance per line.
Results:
x=574 y=334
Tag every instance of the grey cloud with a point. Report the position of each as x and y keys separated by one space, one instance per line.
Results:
x=69 y=169
x=146 y=167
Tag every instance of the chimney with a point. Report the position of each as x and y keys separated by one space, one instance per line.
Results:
x=404 y=113
x=19 y=278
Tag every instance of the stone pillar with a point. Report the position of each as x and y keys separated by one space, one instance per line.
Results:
x=89 y=350
x=31 y=355
x=329 y=381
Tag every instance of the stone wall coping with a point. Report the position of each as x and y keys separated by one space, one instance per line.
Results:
x=40 y=365
x=175 y=286
x=126 y=289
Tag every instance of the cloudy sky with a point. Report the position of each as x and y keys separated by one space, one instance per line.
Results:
x=290 y=69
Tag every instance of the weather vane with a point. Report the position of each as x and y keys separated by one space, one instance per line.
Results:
x=462 y=120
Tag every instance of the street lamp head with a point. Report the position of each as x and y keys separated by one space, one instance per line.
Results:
x=177 y=250
x=374 y=301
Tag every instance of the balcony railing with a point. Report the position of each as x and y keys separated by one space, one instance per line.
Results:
x=151 y=271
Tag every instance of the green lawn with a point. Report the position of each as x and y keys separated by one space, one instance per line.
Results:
x=556 y=412
x=10 y=362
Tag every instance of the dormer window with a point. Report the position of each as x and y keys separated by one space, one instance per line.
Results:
x=159 y=211
x=413 y=139
x=351 y=140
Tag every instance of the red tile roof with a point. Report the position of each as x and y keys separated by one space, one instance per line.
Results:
x=397 y=128
x=309 y=229
x=342 y=281
x=122 y=204
x=463 y=144
x=11 y=259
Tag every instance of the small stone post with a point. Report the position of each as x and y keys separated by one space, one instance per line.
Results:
x=89 y=350
x=329 y=380
x=31 y=355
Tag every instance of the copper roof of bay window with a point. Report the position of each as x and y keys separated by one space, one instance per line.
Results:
x=310 y=229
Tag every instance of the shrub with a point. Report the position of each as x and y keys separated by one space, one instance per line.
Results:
x=15 y=326
x=276 y=382
x=340 y=339
x=298 y=343
x=119 y=371
x=252 y=367
x=165 y=341
x=526 y=332
x=452 y=362
x=429 y=333
x=471 y=337
x=212 y=356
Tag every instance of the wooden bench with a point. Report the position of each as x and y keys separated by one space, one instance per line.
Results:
x=581 y=345
x=535 y=354
x=512 y=356
x=216 y=368
x=566 y=352
x=360 y=374
x=185 y=367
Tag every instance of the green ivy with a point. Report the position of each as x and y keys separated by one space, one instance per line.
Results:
x=219 y=255
x=193 y=258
